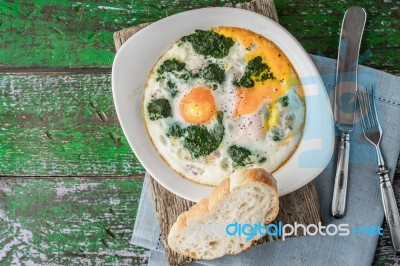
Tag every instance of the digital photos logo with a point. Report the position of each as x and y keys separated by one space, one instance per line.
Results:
x=282 y=231
x=285 y=230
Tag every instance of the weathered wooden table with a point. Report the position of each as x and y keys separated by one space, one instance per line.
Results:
x=70 y=185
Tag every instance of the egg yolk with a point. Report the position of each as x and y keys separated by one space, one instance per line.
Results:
x=250 y=99
x=198 y=106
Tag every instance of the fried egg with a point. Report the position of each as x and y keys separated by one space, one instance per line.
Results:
x=223 y=99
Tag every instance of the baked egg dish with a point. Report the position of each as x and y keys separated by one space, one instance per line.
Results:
x=223 y=99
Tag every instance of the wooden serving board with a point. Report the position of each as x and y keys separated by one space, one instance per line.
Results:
x=301 y=206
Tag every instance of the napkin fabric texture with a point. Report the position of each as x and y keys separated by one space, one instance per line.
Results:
x=364 y=204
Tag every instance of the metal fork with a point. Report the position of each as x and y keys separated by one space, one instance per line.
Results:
x=373 y=133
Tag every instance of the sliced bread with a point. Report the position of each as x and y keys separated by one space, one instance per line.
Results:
x=249 y=196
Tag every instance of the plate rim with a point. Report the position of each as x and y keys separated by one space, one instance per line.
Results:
x=225 y=11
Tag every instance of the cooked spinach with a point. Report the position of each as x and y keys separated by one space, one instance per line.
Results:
x=159 y=108
x=176 y=131
x=209 y=43
x=284 y=101
x=239 y=155
x=242 y=156
x=256 y=66
x=245 y=81
x=200 y=142
x=277 y=134
x=171 y=65
x=197 y=139
x=267 y=75
x=276 y=137
x=256 y=70
x=187 y=74
x=262 y=160
x=213 y=73
x=171 y=88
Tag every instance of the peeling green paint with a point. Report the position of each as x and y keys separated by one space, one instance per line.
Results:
x=72 y=33
x=61 y=124
x=75 y=221
x=316 y=24
x=79 y=33
x=75 y=33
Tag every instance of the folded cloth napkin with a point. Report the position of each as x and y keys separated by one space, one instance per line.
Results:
x=364 y=205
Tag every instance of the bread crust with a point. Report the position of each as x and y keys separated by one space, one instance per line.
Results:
x=207 y=205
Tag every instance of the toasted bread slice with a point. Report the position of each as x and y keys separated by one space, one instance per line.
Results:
x=249 y=196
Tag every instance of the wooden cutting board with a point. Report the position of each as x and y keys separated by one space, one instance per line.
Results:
x=301 y=206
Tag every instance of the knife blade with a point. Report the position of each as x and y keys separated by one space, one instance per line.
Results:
x=345 y=99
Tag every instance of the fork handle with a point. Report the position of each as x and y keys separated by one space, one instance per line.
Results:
x=341 y=177
x=390 y=208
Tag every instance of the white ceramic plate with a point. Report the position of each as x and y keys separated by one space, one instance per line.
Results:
x=138 y=55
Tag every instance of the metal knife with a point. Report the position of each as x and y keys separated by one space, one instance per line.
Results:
x=345 y=99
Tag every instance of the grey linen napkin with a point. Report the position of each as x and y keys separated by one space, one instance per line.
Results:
x=364 y=206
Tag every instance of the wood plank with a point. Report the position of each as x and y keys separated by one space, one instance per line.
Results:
x=64 y=221
x=75 y=33
x=301 y=205
x=61 y=124
x=64 y=33
x=316 y=24
x=69 y=221
x=168 y=207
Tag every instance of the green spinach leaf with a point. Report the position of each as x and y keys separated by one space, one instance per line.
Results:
x=256 y=70
x=242 y=156
x=209 y=43
x=213 y=73
x=170 y=66
x=197 y=139
x=171 y=88
x=284 y=101
x=159 y=108
x=239 y=155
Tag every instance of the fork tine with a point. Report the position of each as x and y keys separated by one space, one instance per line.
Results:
x=370 y=106
x=371 y=127
x=366 y=109
x=361 y=104
x=375 y=114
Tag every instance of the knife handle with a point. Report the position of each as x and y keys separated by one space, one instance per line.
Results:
x=390 y=207
x=341 y=177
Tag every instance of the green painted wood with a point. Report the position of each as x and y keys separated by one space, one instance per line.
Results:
x=69 y=221
x=85 y=221
x=53 y=33
x=61 y=124
x=71 y=33
x=316 y=24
